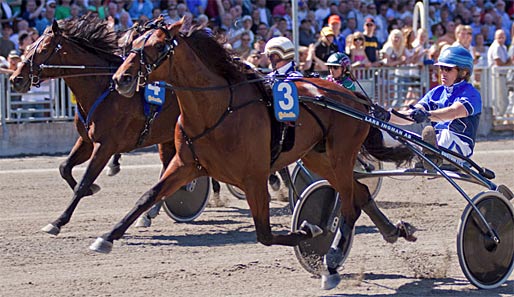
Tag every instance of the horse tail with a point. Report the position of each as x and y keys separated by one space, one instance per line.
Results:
x=374 y=146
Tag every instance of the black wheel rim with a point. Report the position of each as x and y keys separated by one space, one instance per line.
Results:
x=301 y=181
x=316 y=209
x=184 y=205
x=487 y=263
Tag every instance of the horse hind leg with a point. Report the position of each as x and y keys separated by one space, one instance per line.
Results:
x=166 y=152
x=79 y=154
x=389 y=232
x=217 y=201
x=114 y=166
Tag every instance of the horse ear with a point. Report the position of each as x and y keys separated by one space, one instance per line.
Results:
x=55 y=28
x=187 y=22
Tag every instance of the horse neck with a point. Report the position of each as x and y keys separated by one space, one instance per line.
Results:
x=90 y=84
x=199 y=109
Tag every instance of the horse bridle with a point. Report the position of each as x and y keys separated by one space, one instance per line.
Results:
x=145 y=66
x=34 y=76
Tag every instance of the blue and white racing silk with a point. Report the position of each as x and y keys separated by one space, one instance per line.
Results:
x=459 y=134
x=288 y=70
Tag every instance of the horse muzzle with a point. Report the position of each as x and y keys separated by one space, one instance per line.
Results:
x=20 y=84
x=125 y=84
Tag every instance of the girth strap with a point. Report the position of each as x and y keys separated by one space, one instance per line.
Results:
x=229 y=110
x=93 y=108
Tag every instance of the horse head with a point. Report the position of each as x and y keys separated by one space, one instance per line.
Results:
x=41 y=52
x=149 y=52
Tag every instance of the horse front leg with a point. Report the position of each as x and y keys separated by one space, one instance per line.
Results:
x=79 y=154
x=166 y=153
x=258 y=196
x=98 y=161
x=174 y=177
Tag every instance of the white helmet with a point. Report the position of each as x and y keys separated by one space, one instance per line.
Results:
x=281 y=46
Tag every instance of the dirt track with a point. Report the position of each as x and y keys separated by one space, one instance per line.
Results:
x=217 y=255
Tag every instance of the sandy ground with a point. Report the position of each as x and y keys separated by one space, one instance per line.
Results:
x=217 y=254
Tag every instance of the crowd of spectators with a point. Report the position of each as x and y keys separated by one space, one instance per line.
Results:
x=372 y=33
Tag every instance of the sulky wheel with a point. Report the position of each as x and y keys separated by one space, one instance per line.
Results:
x=485 y=264
x=189 y=201
x=319 y=205
x=301 y=178
x=236 y=192
x=505 y=191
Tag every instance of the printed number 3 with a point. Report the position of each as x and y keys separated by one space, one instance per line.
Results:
x=286 y=90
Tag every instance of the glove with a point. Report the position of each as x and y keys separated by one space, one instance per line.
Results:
x=381 y=114
x=419 y=115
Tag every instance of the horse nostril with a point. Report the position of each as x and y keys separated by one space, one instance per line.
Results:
x=126 y=79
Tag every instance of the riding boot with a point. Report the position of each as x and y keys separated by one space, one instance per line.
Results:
x=429 y=136
x=387 y=229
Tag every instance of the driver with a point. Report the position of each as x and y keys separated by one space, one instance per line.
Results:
x=339 y=67
x=453 y=108
x=280 y=51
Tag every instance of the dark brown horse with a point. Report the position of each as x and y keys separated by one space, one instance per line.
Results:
x=109 y=123
x=224 y=131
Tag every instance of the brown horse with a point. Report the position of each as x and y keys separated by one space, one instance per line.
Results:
x=109 y=123
x=225 y=131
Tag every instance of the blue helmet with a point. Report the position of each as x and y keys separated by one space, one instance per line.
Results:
x=456 y=56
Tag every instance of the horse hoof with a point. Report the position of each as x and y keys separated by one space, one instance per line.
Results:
x=406 y=231
x=113 y=170
x=143 y=222
x=310 y=229
x=101 y=246
x=51 y=229
x=94 y=188
x=328 y=282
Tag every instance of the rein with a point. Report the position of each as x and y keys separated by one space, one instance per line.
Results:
x=34 y=75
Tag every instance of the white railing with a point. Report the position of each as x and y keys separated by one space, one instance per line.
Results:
x=50 y=102
x=388 y=86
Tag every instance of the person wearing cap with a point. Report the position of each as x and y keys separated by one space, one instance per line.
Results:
x=325 y=46
x=334 y=22
x=339 y=66
x=10 y=65
x=453 y=108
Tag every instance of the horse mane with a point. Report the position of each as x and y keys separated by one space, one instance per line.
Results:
x=94 y=35
x=213 y=55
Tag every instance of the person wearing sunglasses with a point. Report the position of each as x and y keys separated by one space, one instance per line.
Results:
x=339 y=66
x=453 y=108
